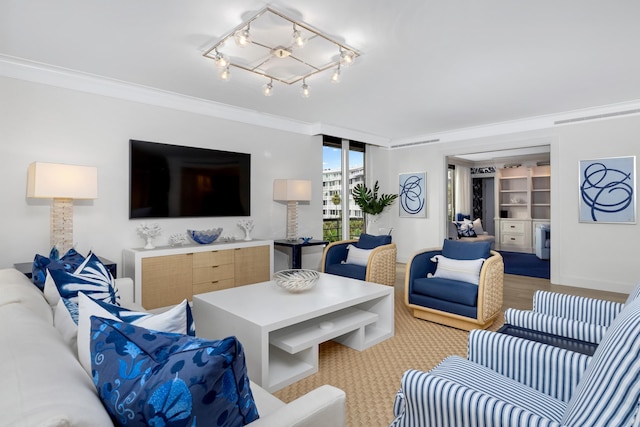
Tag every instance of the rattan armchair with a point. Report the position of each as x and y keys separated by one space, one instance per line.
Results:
x=451 y=302
x=380 y=268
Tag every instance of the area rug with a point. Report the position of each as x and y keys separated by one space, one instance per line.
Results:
x=523 y=264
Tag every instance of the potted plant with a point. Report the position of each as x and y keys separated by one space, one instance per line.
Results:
x=369 y=201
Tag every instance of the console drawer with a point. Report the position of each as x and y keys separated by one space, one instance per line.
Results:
x=512 y=240
x=512 y=227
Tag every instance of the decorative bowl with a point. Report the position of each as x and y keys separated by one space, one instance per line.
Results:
x=205 y=237
x=296 y=280
x=305 y=239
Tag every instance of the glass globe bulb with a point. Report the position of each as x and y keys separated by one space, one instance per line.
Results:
x=298 y=39
x=267 y=90
x=243 y=38
x=225 y=74
x=306 y=92
x=335 y=77
x=347 y=57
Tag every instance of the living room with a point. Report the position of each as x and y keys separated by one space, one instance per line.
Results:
x=54 y=113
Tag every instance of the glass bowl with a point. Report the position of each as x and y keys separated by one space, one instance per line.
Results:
x=205 y=237
x=296 y=280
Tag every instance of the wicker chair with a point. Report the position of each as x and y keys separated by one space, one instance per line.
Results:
x=454 y=302
x=380 y=267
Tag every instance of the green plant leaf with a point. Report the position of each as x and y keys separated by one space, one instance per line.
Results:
x=367 y=199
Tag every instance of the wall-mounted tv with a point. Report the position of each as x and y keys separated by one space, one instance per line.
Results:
x=171 y=181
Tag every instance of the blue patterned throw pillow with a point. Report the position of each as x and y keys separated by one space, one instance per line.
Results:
x=91 y=277
x=69 y=262
x=147 y=378
x=465 y=229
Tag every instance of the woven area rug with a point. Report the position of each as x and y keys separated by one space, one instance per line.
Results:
x=371 y=378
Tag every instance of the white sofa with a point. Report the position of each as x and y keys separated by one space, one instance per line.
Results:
x=43 y=384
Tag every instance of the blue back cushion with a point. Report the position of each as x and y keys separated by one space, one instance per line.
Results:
x=457 y=249
x=368 y=241
x=145 y=377
x=609 y=390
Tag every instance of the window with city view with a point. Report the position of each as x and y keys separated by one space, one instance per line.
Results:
x=336 y=206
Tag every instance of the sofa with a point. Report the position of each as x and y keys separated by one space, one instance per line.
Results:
x=44 y=384
x=478 y=235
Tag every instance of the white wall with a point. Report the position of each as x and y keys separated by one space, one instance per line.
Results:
x=598 y=256
x=49 y=124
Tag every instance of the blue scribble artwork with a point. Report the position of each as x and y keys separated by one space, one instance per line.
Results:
x=412 y=194
x=607 y=190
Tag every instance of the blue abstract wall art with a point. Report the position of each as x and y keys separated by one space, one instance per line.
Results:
x=412 y=194
x=607 y=190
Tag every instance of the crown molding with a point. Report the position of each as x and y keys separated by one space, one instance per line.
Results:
x=37 y=72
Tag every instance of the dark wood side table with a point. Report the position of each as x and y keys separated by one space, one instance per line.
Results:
x=26 y=268
x=296 y=249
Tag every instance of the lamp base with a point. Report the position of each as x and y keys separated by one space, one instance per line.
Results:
x=62 y=224
x=292 y=220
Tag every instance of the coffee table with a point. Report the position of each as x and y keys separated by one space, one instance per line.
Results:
x=281 y=331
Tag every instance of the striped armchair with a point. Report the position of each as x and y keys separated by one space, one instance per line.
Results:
x=510 y=381
x=569 y=316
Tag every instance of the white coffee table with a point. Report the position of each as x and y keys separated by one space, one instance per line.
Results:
x=281 y=331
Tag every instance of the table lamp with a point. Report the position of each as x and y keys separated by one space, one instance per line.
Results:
x=62 y=183
x=292 y=191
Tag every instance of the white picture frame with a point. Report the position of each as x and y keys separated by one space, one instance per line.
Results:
x=412 y=195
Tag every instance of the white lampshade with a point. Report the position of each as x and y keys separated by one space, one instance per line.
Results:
x=292 y=191
x=62 y=183
x=55 y=180
x=287 y=190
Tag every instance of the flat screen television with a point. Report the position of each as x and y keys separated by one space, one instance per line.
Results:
x=172 y=181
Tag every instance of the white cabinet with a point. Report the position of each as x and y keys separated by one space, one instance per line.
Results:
x=166 y=275
x=523 y=199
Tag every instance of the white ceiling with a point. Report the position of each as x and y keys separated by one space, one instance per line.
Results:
x=427 y=66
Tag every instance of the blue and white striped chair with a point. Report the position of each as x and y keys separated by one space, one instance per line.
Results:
x=510 y=381
x=569 y=316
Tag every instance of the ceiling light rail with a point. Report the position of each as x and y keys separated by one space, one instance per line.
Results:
x=279 y=48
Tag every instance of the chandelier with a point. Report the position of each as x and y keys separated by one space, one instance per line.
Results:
x=280 y=49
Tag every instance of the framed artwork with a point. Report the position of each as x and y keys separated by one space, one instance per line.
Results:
x=608 y=190
x=412 y=194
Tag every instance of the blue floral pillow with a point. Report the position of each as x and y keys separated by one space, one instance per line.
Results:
x=91 y=277
x=147 y=378
x=69 y=262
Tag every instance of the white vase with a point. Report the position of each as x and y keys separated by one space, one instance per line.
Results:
x=149 y=244
x=247 y=234
x=372 y=224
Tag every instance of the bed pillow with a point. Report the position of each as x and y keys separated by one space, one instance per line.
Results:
x=69 y=262
x=147 y=378
x=91 y=277
x=455 y=269
x=177 y=319
x=357 y=256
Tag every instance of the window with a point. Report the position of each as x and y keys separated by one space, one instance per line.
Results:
x=451 y=192
x=337 y=205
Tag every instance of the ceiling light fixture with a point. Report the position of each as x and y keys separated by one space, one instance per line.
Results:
x=243 y=37
x=267 y=90
x=335 y=77
x=271 y=50
x=225 y=74
x=298 y=38
x=305 y=89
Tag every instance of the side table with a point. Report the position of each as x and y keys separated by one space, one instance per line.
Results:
x=296 y=249
x=26 y=268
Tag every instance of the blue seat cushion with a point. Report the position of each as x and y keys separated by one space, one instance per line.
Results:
x=347 y=270
x=447 y=290
x=368 y=241
x=442 y=305
x=458 y=249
